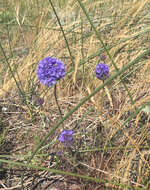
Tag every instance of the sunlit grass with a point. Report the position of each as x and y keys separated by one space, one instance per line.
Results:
x=111 y=128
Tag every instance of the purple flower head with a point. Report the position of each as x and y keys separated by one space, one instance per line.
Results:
x=66 y=138
x=102 y=71
x=50 y=70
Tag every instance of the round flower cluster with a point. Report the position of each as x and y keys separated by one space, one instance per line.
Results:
x=50 y=70
x=102 y=71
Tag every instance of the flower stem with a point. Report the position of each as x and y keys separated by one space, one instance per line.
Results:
x=55 y=95
x=62 y=30
x=18 y=84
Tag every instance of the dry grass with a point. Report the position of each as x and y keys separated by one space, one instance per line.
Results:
x=125 y=29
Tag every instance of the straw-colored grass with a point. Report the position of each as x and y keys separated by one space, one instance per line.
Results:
x=30 y=32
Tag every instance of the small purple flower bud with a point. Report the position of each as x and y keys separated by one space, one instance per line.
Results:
x=102 y=71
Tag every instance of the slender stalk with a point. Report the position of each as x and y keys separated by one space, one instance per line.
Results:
x=104 y=46
x=69 y=174
x=82 y=50
x=61 y=27
x=110 y=148
x=9 y=40
x=11 y=71
x=55 y=95
x=17 y=84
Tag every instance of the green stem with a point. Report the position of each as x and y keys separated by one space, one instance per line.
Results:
x=104 y=46
x=68 y=173
x=111 y=148
x=9 y=40
x=82 y=50
x=55 y=95
x=62 y=30
x=17 y=84
x=11 y=71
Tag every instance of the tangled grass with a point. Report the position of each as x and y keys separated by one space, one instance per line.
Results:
x=110 y=120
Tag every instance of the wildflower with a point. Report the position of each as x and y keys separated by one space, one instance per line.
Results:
x=66 y=138
x=50 y=70
x=102 y=71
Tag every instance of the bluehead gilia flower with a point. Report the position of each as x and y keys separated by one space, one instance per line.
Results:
x=102 y=71
x=50 y=70
x=65 y=137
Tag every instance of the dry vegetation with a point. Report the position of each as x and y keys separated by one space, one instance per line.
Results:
x=104 y=148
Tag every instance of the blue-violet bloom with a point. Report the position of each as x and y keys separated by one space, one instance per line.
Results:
x=50 y=70
x=102 y=71
x=66 y=138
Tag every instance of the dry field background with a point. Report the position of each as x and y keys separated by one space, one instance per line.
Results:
x=111 y=129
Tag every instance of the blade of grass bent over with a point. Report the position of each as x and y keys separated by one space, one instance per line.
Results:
x=67 y=173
